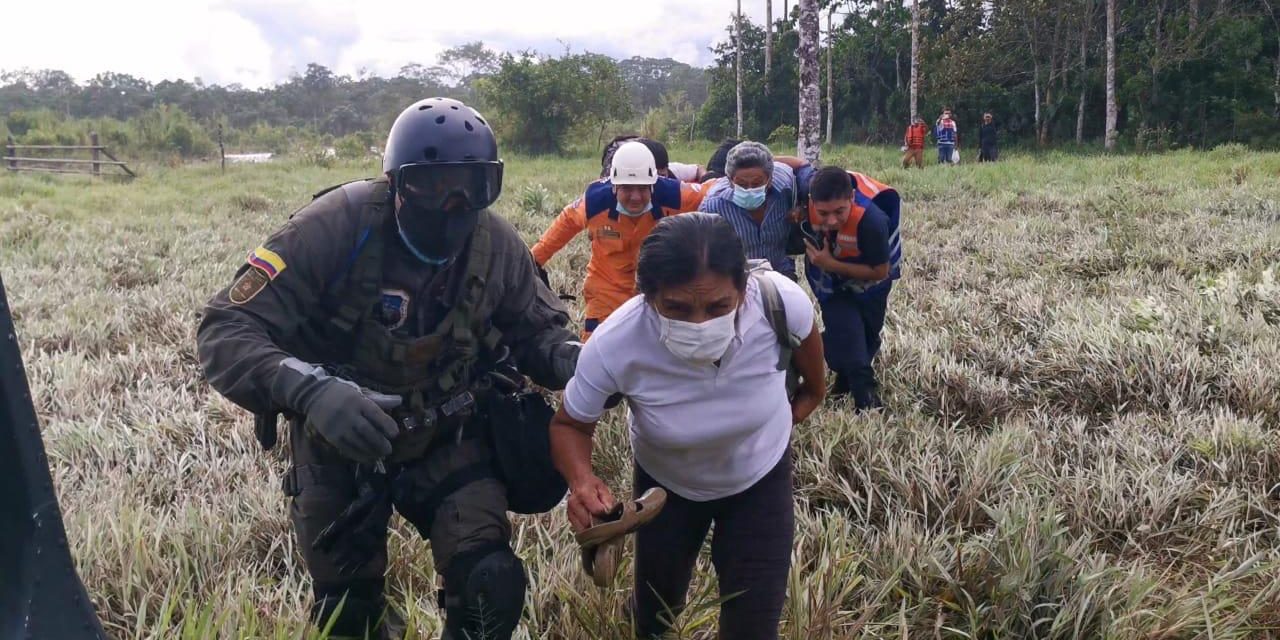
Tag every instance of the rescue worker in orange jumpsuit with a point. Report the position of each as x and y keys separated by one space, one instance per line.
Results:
x=617 y=212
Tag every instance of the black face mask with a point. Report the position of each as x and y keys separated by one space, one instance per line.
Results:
x=433 y=235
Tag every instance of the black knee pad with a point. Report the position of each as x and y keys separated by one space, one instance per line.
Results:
x=485 y=592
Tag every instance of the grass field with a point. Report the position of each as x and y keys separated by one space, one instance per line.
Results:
x=1081 y=366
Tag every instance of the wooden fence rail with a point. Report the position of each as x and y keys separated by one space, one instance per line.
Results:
x=92 y=166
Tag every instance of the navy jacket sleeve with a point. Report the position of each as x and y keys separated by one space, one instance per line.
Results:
x=873 y=237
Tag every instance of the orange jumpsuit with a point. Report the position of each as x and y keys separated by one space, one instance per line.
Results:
x=615 y=240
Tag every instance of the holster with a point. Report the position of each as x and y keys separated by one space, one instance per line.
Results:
x=265 y=429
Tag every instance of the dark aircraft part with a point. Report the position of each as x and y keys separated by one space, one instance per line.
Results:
x=41 y=595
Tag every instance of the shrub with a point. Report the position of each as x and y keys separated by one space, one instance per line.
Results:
x=782 y=136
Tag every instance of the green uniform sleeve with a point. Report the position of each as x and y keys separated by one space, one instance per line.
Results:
x=243 y=334
x=533 y=321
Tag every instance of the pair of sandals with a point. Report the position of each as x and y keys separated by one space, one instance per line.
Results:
x=602 y=542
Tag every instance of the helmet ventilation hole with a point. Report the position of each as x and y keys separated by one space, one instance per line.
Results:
x=440 y=120
x=424 y=107
x=467 y=124
x=482 y=121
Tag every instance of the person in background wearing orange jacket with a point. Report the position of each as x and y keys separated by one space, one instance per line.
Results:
x=617 y=212
x=914 y=142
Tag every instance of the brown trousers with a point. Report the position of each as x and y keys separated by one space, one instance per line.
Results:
x=913 y=155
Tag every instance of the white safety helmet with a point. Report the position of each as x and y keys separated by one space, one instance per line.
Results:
x=633 y=163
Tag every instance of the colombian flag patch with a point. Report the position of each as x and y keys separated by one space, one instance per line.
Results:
x=264 y=265
x=267 y=260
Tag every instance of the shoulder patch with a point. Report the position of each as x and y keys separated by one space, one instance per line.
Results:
x=248 y=285
x=394 y=308
x=267 y=260
x=264 y=266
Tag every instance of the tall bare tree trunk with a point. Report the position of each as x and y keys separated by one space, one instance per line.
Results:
x=915 y=57
x=1085 y=26
x=897 y=69
x=737 y=63
x=768 y=42
x=809 y=146
x=1273 y=8
x=1113 y=111
x=1032 y=32
x=1193 y=14
x=1150 y=115
x=831 y=86
x=1039 y=122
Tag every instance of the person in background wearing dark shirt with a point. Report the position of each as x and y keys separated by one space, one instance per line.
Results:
x=716 y=165
x=988 y=151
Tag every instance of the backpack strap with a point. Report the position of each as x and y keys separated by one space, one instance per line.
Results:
x=365 y=263
x=776 y=312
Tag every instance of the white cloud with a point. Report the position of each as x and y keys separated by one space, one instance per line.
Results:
x=257 y=42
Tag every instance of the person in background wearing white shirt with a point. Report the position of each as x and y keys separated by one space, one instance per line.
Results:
x=690 y=173
x=696 y=358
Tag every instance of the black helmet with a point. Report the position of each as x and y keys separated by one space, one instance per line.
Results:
x=439 y=147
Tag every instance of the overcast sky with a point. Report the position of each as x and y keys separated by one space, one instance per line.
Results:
x=261 y=42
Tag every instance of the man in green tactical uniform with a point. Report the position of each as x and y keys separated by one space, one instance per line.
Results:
x=379 y=319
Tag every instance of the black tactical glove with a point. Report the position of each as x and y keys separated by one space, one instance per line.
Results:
x=352 y=419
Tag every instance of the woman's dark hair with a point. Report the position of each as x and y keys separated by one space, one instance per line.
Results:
x=680 y=248
x=715 y=166
x=606 y=156
x=830 y=183
x=660 y=158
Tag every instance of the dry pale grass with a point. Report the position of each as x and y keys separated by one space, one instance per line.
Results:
x=1081 y=441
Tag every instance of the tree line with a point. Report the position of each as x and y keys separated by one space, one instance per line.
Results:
x=543 y=102
x=1186 y=72
x=1154 y=74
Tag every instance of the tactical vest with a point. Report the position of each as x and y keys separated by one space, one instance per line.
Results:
x=433 y=373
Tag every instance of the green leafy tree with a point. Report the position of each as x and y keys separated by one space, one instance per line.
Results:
x=534 y=101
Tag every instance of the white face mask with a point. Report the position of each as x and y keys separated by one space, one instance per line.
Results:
x=698 y=343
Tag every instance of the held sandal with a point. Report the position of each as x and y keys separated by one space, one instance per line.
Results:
x=602 y=543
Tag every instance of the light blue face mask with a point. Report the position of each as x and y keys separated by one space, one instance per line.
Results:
x=627 y=212
x=749 y=199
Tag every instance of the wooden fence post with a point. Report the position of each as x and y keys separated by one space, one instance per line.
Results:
x=93 y=140
x=222 y=150
x=10 y=152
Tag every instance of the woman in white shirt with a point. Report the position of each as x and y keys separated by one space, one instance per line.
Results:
x=697 y=360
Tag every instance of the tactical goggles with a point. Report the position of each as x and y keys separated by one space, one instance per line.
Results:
x=430 y=185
